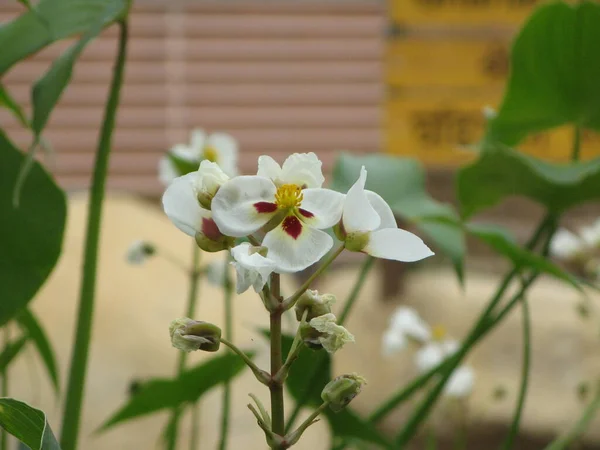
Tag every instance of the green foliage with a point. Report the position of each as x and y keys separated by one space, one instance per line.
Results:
x=53 y=20
x=9 y=103
x=30 y=234
x=504 y=243
x=183 y=166
x=160 y=393
x=27 y=424
x=501 y=172
x=11 y=351
x=302 y=383
x=30 y=325
x=555 y=70
x=401 y=183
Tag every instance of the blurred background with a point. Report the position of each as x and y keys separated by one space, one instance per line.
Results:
x=407 y=77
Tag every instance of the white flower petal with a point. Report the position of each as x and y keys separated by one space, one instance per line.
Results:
x=166 y=171
x=227 y=151
x=429 y=356
x=450 y=346
x=333 y=336
x=406 y=321
x=383 y=209
x=303 y=169
x=297 y=248
x=325 y=206
x=460 y=384
x=393 y=342
x=252 y=268
x=234 y=209
x=269 y=168
x=565 y=245
x=358 y=213
x=181 y=205
x=397 y=244
x=198 y=140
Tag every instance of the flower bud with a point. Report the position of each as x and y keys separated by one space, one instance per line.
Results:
x=356 y=242
x=340 y=391
x=323 y=332
x=316 y=305
x=209 y=180
x=189 y=335
x=139 y=252
x=213 y=246
x=310 y=337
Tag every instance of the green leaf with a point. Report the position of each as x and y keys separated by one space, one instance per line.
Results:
x=347 y=424
x=555 y=68
x=50 y=21
x=35 y=332
x=9 y=103
x=30 y=235
x=11 y=351
x=501 y=172
x=183 y=166
x=161 y=393
x=27 y=424
x=501 y=240
x=401 y=183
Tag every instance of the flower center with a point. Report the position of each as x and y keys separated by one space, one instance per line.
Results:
x=438 y=332
x=210 y=153
x=288 y=196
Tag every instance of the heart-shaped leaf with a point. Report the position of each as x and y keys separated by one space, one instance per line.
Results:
x=555 y=68
x=31 y=234
x=27 y=424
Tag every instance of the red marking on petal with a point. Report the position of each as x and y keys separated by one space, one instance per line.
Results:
x=210 y=229
x=292 y=226
x=265 y=207
x=306 y=213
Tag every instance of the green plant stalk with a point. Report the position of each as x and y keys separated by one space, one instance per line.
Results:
x=564 y=441
x=76 y=384
x=348 y=305
x=228 y=332
x=4 y=393
x=194 y=284
x=276 y=387
x=525 y=371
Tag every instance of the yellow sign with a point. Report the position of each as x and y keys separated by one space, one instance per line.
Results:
x=463 y=12
x=450 y=62
x=441 y=132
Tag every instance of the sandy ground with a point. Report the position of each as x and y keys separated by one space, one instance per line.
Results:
x=135 y=305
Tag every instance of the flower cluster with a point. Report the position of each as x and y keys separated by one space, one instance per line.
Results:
x=579 y=251
x=433 y=347
x=284 y=212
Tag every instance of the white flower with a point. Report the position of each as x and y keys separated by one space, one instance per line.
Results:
x=369 y=225
x=332 y=336
x=591 y=235
x=489 y=112
x=253 y=269
x=220 y=148
x=139 y=251
x=215 y=273
x=290 y=201
x=405 y=324
x=565 y=245
x=460 y=384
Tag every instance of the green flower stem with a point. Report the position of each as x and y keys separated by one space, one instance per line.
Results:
x=564 y=441
x=291 y=301
x=281 y=376
x=293 y=437
x=261 y=375
x=525 y=370
x=76 y=384
x=4 y=389
x=352 y=297
x=194 y=284
x=276 y=388
x=228 y=332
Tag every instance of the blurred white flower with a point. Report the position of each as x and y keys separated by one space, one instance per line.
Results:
x=591 y=235
x=287 y=199
x=219 y=148
x=215 y=273
x=489 y=112
x=460 y=384
x=369 y=226
x=332 y=336
x=405 y=325
x=139 y=251
x=566 y=245
x=252 y=268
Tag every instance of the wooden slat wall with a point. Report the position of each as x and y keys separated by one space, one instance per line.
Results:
x=280 y=76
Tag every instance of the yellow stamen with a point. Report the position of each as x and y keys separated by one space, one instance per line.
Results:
x=288 y=196
x=438 y=332
x=210 y=153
